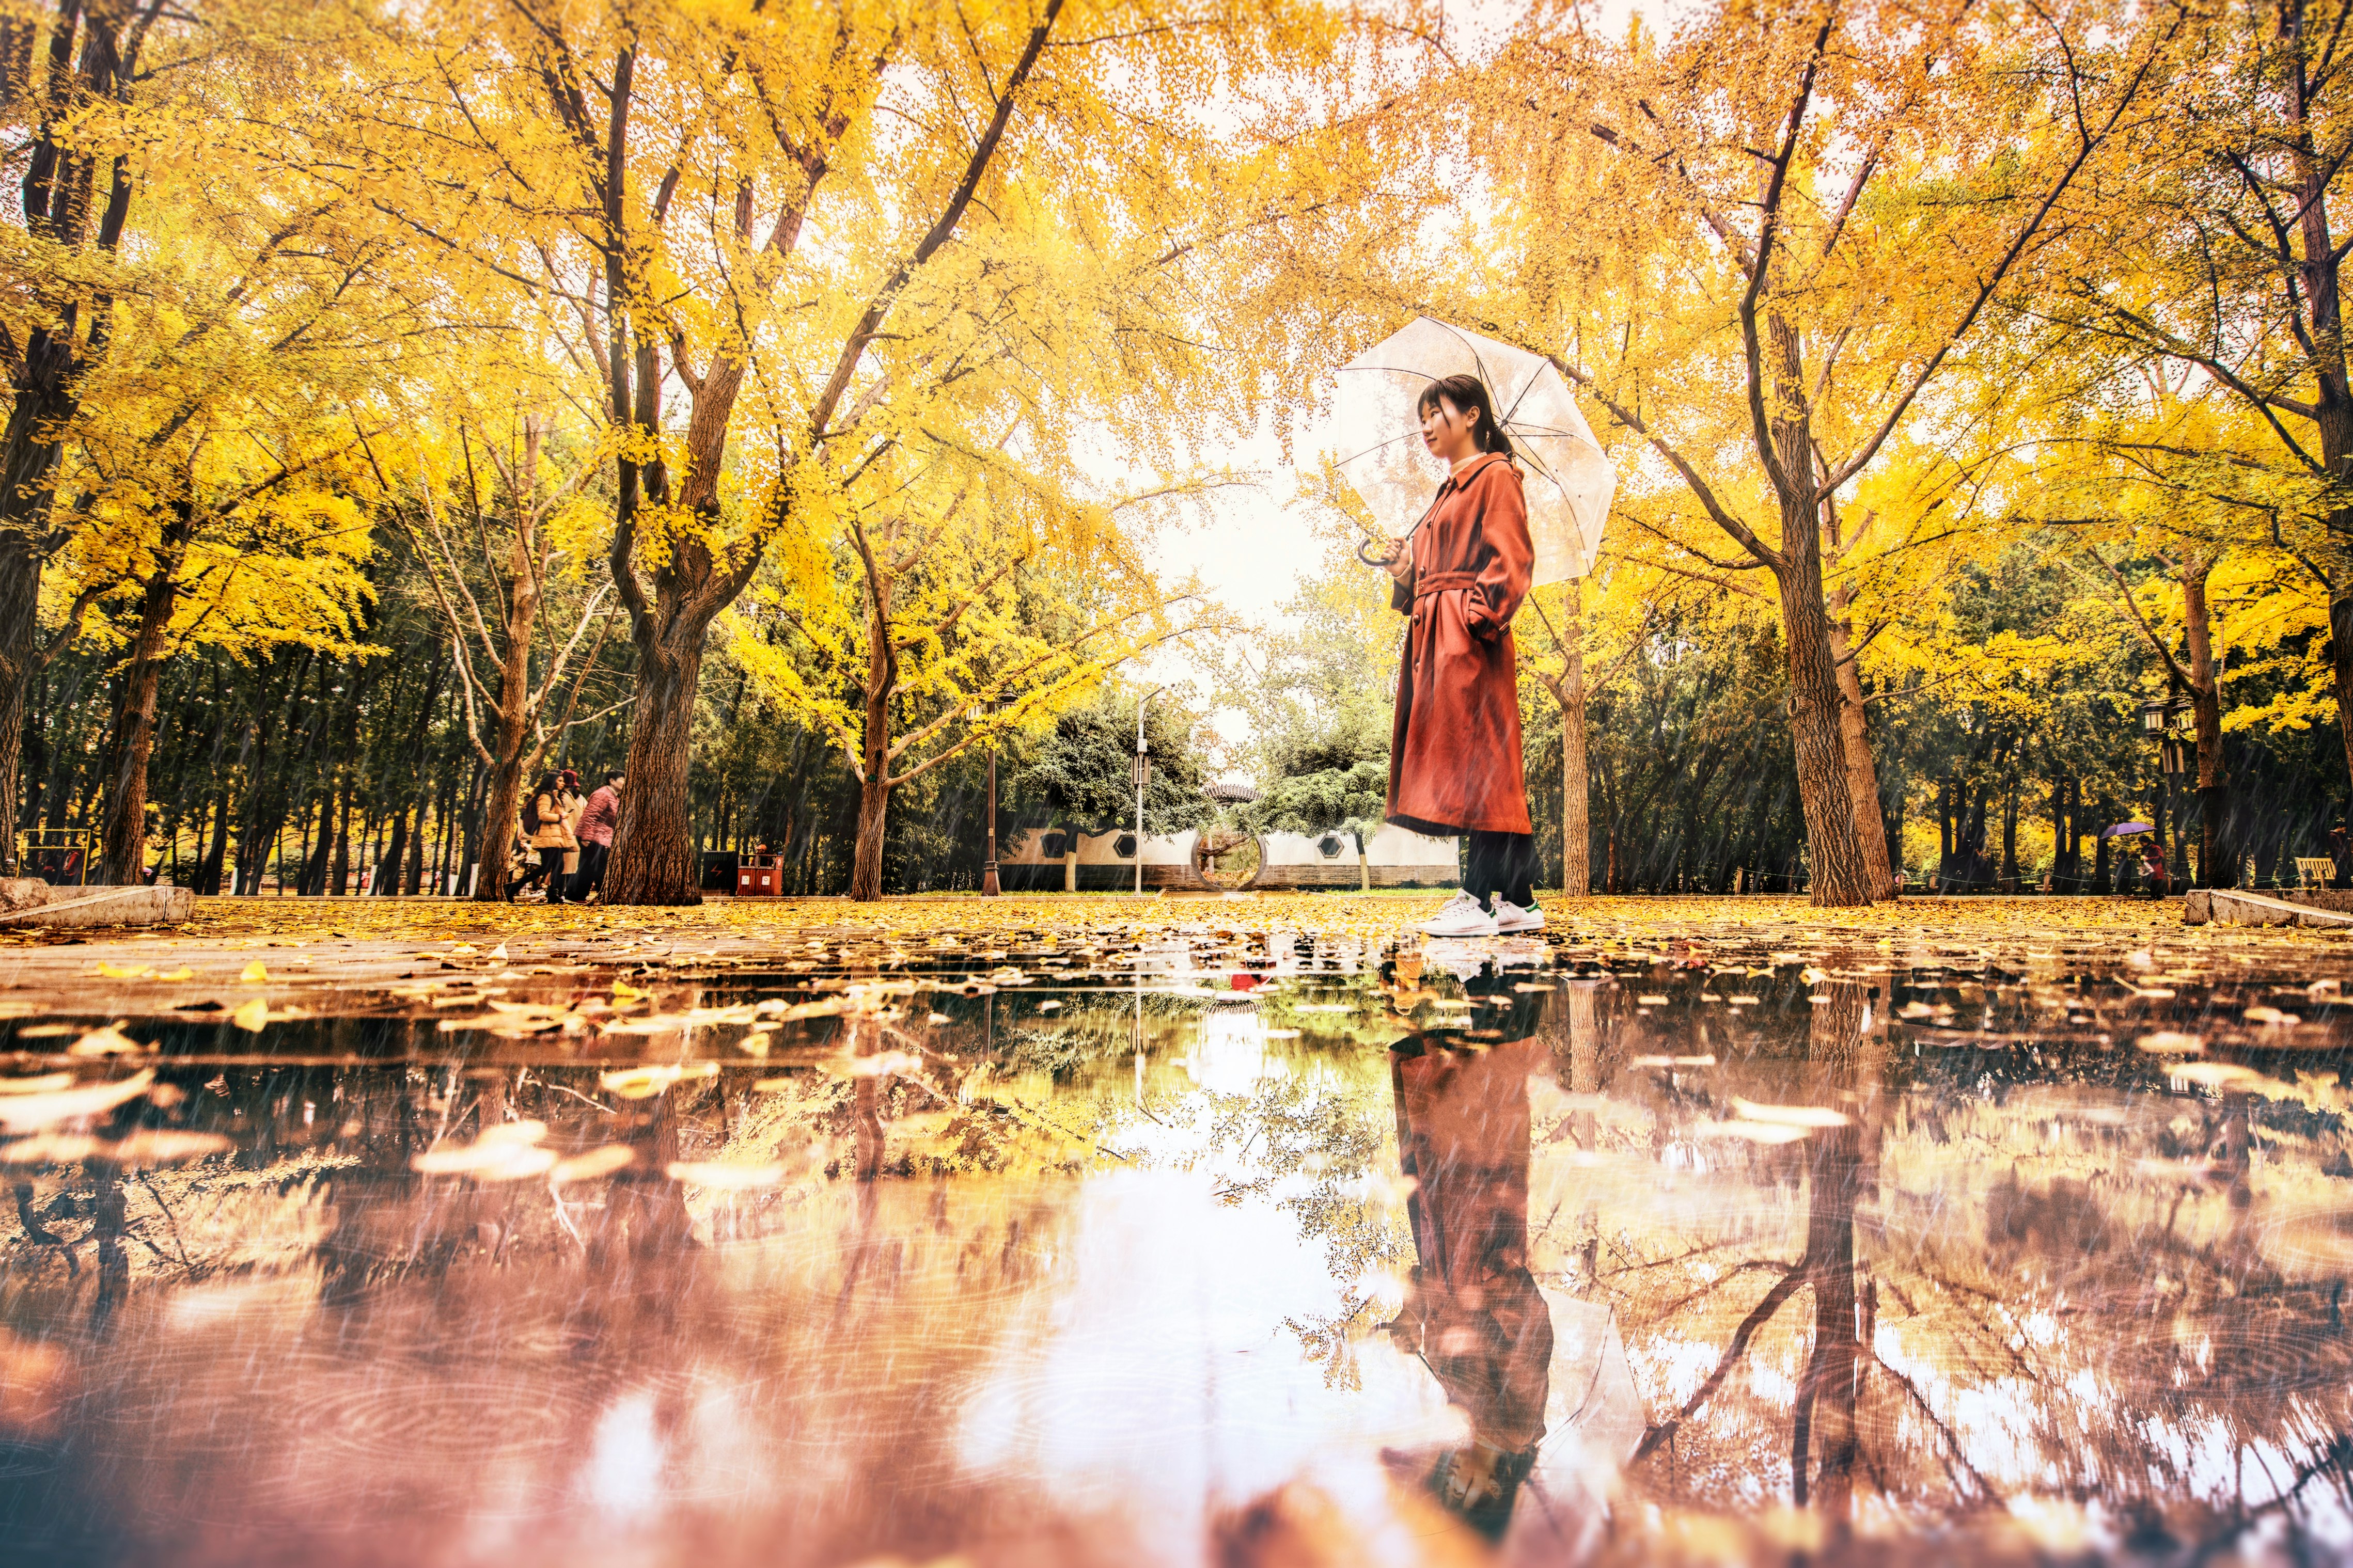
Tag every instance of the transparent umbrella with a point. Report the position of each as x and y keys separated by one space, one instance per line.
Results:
x=1569 y=480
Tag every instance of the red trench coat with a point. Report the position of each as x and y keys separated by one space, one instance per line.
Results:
x=1454 y=755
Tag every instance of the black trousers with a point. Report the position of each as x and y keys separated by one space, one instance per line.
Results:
x=551 y=863
x=590 y=878
x=1502 y=864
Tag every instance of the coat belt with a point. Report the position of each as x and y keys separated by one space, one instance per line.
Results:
x=1440 y=581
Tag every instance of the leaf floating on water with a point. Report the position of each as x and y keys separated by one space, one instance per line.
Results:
x=108 y=1041
x=2168 y=1042
x=46 y=1031
x=2211 y=1075
x=43 y=1083
x=724 y=1176
x=252 y=1016
x=2272 y=1015
x=255 y=973
x=2324 y=988
x=167 y=1146
x=1788 y=1115
x=644 y=1083
x=106 y=970
x=1753 y=1131
x=883 y=1065
x=24 y=1112
x=183 y=972
x=507 y=1153
x=590 y=1164
x=50 y=1149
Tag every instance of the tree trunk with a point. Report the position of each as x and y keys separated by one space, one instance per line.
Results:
x=386 y=880
x=1862 y=773
x=20 y=590
x=125 y=833
x=1841 y=877
x=507 y=781
x=2218 y=860
x=874 y=769
x=2009 y=880
x=1575 y=829
x=653 y=859
x=339 y=876
x=874 y=825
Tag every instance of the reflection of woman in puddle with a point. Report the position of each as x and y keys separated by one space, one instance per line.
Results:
x=1472 y=1313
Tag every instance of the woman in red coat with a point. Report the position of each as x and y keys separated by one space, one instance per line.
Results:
x=1454 y=756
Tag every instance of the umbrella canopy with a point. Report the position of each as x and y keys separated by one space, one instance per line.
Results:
x=1570 y=481
x=2126 y=829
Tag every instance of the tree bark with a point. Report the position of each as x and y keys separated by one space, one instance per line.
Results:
x=653 y=859
x=1840 y=875
x=2218 y=859
x=126 y=832
x=874 y=762
x=1863 y=772
x=1575 y=826
x=873 y=824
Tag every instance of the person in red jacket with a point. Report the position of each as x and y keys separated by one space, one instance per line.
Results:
x=598 y=819
x=1454 y=755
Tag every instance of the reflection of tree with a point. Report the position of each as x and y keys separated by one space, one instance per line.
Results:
x=1823 y=1416
x=2027 y=1286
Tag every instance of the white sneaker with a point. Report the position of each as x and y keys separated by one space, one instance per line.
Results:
x=1510 y=919
x=1462 y=916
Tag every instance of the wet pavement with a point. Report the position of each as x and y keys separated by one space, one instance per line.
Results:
x=1179 y=1244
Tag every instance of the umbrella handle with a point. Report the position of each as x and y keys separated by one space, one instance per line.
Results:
x=1368 y=560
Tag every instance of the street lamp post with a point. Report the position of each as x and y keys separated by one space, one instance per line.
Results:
x=1142 y=770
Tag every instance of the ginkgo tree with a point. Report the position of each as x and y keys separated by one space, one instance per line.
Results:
x=970 y=602
x=1761 y=240
x=492 y=499
x=737 y=197
x=113 y=114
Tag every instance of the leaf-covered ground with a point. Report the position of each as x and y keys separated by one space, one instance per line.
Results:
x=2130 y=921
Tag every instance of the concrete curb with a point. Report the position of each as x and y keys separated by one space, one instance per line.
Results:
x=26 y=901
x=2228 y=906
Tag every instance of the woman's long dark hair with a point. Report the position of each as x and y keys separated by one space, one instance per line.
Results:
x=1469 y=392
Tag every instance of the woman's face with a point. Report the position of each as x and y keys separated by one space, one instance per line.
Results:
x=1447 y=431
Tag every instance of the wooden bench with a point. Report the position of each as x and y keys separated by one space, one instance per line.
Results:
x=2315 y=870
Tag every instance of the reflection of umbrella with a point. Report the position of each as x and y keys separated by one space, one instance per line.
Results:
x=1570 y=481
x=2126 y=829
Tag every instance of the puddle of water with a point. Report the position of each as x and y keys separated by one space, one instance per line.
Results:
x=1213 y=1247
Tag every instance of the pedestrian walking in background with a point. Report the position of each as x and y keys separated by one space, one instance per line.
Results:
x=571 y=782
x=1455 y=760
x=548 y=819
x=2154 y=875
x=598 y=816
